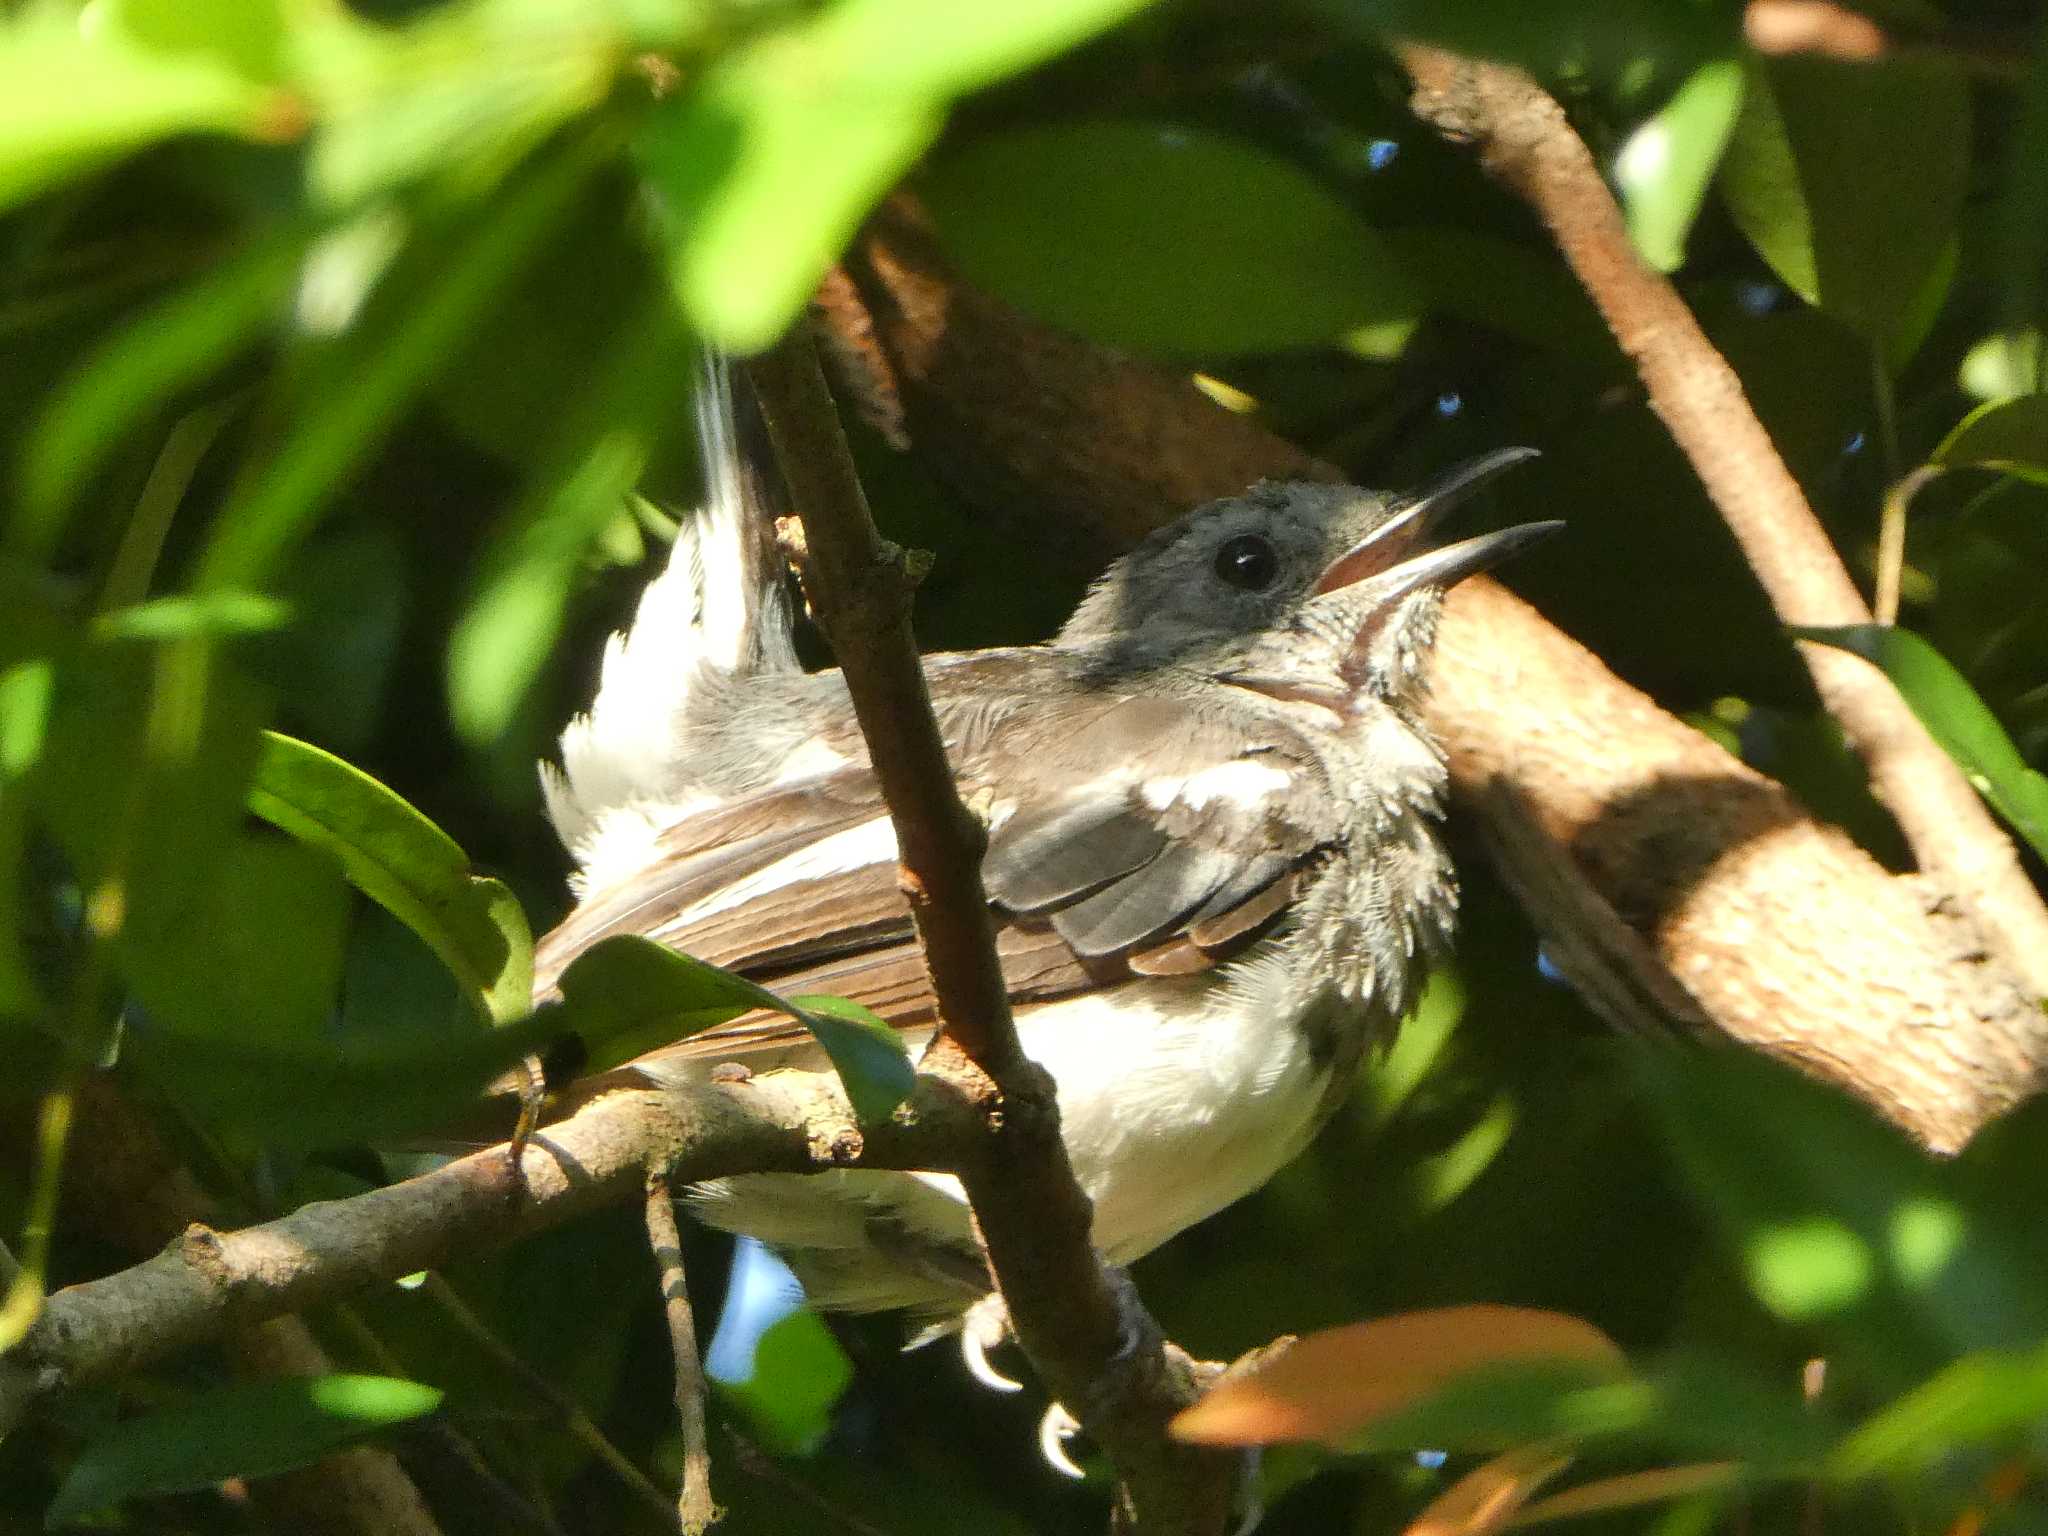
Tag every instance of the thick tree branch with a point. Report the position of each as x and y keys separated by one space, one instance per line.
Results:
x=1523 y=140
x=1080 y=1323
x=1786 y=936
x=206 y=1283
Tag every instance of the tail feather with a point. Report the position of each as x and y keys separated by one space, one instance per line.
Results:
x=719 y=608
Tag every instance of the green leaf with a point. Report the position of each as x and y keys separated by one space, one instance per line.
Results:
x=335 y=1087
x=1980 y=1398
x=246 y=36
x=1889 y=1262
x=768 y=164
x=626 y=994
x=74 y=97
x=507 y=632
x=940 y=48
x=461 y=93
x=1667 y=164
x=1855 y=213
x=868 y=1053
x=254 y=1429
x=167 y=348
x=1955 y=717
x=763 y=172
x=26 y=687
x=185 y=615
x=404 y=863
x=799 y=1375
x=2004 y=364
x=1166 y=239
x=2008 y=435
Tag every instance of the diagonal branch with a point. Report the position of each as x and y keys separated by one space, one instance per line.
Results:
x=1079 y=1322
x=1524 y=141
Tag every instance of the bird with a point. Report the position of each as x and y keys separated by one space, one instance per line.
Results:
x=1213 y=859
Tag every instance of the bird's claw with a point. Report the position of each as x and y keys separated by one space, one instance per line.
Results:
x=983 y=1327
x=1055 y=1429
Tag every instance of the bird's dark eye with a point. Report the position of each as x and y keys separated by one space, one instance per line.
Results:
x=1248 y=561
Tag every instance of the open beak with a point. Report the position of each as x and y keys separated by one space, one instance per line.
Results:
x=1387 y=562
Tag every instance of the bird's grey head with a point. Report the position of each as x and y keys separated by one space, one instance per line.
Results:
x=1324 y=592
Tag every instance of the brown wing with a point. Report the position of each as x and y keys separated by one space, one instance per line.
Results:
x=1144 y=841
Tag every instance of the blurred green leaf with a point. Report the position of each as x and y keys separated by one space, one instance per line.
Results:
x=1978 y=1399
x=404 y=863
x=508 y=630
x=2005 y=364
x=185 y=616
x=2008 y=435
x=169 y=347
x=25 y=693
x=245 y=35
x=767 y=163
x=252 y=1429
x=625 y=995
x=1668 y=162
x=1853 y=214
x=1955 y=717
x=363 y=379
x=1891 y=1262
x=799 y=1375
x=459 y=93
x=1514 y=288
x=752 y=207
x=1166 y=239
x=74 y=97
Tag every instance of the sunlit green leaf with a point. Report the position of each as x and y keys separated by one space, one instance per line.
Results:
x=1168 y=239
x=1956 y=718
x=252 y=1429
x=868 y=1054
x=185 y=615
x=2005 y=364
x=73 y=98
x=1853 y=214
x=463 y=91
x=403 y=862
x=753 y=205
x=1668 y=162
x=766 y=164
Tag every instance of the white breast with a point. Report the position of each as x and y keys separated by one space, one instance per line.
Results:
x=1178 y=1096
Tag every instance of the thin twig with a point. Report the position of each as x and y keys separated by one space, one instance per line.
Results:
x=1079 y=1322
x=1891 y=540
x=695 y=1512
x=577 y=1424
x=1524 y=141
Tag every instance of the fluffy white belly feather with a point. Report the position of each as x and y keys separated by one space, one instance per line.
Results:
x=1177 y=1097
